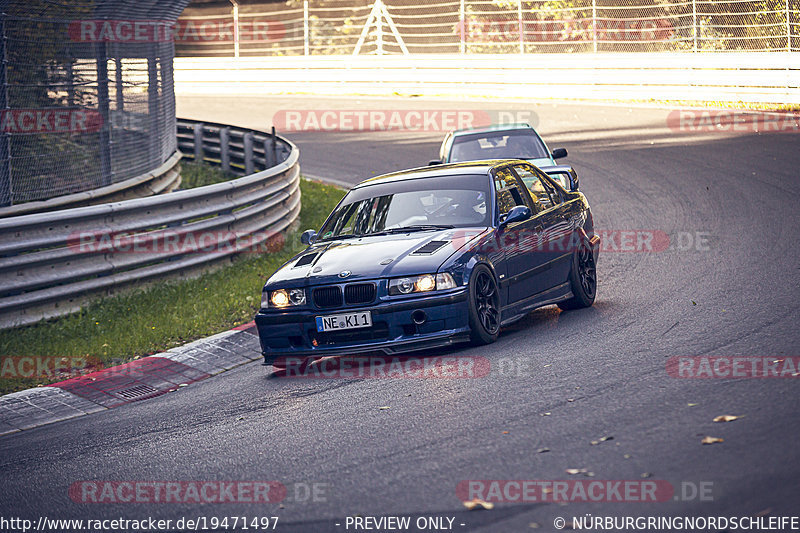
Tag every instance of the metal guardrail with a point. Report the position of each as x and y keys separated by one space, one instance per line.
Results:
x=52 y=263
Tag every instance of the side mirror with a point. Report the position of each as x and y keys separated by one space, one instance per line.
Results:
x=308 y=236
x=558 y=153
x=434 y=162
x=517 y=214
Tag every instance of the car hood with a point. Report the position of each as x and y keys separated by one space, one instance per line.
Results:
x=372 y=257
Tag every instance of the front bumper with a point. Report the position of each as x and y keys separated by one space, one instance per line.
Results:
x=285 y=333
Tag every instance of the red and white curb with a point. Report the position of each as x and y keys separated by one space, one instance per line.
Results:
x=137 y=380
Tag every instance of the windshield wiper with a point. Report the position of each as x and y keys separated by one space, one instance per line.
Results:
x=404 y=229
x=419 y=227
x=339 y=237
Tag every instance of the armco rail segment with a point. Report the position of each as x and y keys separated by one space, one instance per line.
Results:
x=45 y=271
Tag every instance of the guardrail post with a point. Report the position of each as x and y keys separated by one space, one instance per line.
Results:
x=274 y=147
x=198 y=142
x=247 y=139
x=224 y=149
x=268 y=160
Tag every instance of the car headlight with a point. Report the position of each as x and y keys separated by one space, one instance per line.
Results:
x=423 y=283
x=283 y=298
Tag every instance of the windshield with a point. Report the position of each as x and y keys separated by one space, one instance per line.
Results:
x=424 y=208
x=516 y=144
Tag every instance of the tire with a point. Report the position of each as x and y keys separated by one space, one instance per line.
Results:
x=484 y=306
x=582 y=278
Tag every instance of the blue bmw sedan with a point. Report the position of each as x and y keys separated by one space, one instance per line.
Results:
x=430 y=257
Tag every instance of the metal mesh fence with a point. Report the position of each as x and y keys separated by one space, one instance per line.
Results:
x=318 y=27
x=87 y=94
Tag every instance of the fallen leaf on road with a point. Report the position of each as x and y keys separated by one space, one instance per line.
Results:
x=479 y=505
x=711 y=440
x=543 y=450
x=646 y=475
x=691 y=404
x=385 y=407
x=573 y=471
x=726 y=418
x=505 y=433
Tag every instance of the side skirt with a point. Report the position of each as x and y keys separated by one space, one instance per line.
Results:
x=518 y=310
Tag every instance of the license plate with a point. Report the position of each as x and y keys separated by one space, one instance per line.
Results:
x=362 y=319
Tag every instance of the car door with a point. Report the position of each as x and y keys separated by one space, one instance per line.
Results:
x=517 y=239
x=554 y=252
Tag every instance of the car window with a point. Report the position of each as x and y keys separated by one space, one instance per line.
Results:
x=508 y=192
x=541 y=191
x=514 y=144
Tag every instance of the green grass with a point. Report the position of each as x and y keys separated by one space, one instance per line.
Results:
x=197 y=175
x=146 y=321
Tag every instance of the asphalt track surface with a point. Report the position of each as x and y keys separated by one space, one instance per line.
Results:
x=598 y=372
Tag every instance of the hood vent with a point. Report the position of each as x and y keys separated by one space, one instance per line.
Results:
x=429 y=248
x=306 y=260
